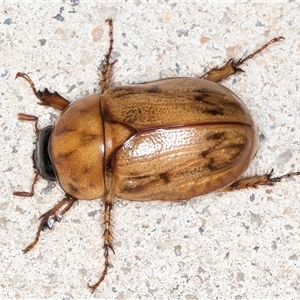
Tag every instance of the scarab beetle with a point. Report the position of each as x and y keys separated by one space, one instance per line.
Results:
x=169 y=139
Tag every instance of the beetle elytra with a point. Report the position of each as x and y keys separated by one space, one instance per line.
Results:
x=168 y=140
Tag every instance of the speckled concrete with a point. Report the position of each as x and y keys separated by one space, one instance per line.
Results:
x=238 y=245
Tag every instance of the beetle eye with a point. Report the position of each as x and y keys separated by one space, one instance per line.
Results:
x=41 y=159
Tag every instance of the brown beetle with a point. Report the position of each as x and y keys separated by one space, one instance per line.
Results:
x=169 y=139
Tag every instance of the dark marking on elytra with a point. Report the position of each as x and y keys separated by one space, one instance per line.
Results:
x=214 y=112
x=215 y=165
x=211 y=165
x=106 y=115
x=153 y=89
x=206 y=152
x=202 y=91
x=132 y=115
x=121 y=92
x=216 y=136
x=201 y=97
x=165 y=177
x=239 y=146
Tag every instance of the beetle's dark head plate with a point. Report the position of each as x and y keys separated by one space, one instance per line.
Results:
x=40 y=156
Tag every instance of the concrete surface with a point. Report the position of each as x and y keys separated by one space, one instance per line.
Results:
x=240 y=245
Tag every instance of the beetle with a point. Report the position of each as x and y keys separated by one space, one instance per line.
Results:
x=170 y=140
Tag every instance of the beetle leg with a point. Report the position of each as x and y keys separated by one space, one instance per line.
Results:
x=51 y=216
x=106 y=66
x=25 y=117
x=108 y=245
x=232 y=66
x=31 y=193
x=47 y=99
x=255 y=181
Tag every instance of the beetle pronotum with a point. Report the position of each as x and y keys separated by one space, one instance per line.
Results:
x=168 y=140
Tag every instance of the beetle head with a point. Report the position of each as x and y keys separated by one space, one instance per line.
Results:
x=40 y=156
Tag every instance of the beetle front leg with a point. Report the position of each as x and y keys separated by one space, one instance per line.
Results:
x=108 y=245
x=51 y=216
x=47 y=99
x=31 y=193
x=255 y=181
x=232 y=66
x=106 y=66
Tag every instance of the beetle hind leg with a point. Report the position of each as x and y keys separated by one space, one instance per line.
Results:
x=106 y=66
x=257 y=180
x=233 y=66
x=108 y=245
x=54 y=100
x=51 y=216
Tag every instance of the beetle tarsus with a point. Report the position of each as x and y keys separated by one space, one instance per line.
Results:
x=273 y=180
x=51 y=216
x=106 y=66
x=255 y=181
x=232 y=66
x=104 y=272
x=28 y=79
x=28 y=248
x=242 y=60
x=108 y=245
